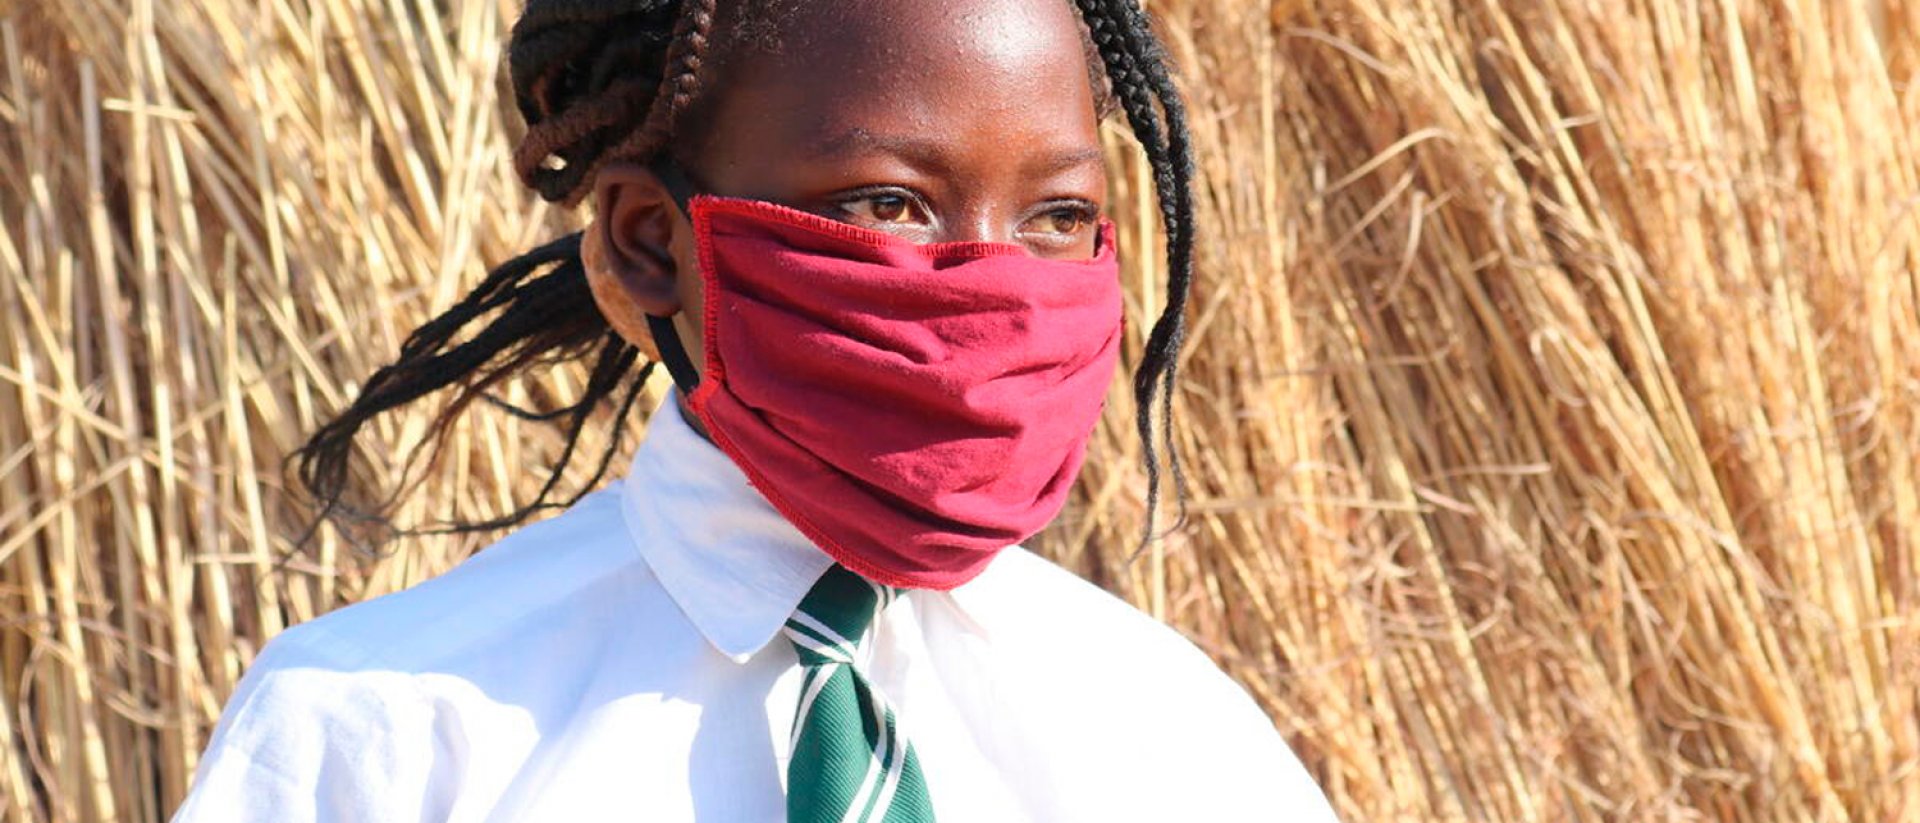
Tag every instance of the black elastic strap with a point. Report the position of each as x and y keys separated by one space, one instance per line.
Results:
x=665 y=337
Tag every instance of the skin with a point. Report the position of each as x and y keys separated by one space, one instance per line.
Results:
x=935 y=120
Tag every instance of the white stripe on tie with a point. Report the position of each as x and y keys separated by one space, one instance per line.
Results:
x=892 y=782
x=825 y=631
x=857 y=811
x=816 y=679
x=833 y=653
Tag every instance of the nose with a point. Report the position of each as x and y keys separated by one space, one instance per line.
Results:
x=978 y=224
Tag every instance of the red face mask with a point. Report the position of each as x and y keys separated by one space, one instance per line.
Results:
x=913 y=409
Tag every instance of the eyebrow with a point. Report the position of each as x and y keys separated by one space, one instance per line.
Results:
x=927 y=153
x=1064 y=161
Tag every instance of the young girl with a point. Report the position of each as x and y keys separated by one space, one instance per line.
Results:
x=865 y=238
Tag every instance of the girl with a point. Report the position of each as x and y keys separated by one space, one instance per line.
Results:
x=865 y=238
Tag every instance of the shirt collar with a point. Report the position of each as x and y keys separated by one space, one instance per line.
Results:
x=733 y=565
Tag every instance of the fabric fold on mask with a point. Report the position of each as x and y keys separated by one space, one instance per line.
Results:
x=913 y=409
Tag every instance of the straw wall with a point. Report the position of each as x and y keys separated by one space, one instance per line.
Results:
x=1550 y=409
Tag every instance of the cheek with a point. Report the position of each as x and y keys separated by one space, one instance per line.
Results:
x=692 y=289
x=1083 y=246
x=1088 y=246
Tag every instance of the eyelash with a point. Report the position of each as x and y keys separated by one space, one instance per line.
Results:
x=841 y=202
x=1084 y=213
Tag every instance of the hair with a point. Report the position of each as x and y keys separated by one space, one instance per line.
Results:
x=597 y=80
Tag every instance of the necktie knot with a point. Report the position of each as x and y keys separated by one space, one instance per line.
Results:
x=849 y=760
x=835 y=615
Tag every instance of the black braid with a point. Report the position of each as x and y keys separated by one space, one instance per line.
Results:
x=1137 y=68
x=595 y=79
x=541 y=312
x=586 y=76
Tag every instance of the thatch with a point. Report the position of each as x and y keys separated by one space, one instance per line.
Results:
x=1551 y=406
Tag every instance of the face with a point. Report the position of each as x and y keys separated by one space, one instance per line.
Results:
x=934 y=120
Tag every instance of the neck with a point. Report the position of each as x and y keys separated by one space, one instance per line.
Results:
x=693 y=420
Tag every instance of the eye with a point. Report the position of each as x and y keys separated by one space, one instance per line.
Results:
x=1065 y=221
x=888 y=208
x=884 y=208
x=1062 y=221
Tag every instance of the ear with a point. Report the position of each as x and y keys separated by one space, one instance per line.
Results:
x=628 y=249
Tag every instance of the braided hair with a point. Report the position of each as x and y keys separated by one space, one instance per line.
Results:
x=597 y=80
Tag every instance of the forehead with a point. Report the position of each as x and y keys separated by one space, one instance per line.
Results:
x=793 y=33
x=995 y=21
x=827 y=67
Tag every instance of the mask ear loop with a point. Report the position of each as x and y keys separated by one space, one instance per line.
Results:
x=665 y=337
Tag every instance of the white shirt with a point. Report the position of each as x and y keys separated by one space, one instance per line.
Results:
x=623 y=661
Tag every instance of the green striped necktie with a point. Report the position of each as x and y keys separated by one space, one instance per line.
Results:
x=849 y=761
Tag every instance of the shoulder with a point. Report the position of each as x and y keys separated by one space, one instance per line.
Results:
x=513 y=624
x=348 y=716
x=1110 y=697
x=503 y=597
x=305 y=738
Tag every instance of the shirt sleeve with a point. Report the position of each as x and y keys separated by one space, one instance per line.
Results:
x=315 y=734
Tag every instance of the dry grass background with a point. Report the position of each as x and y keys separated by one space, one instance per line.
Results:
x=1552 y=403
